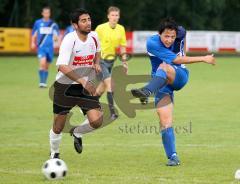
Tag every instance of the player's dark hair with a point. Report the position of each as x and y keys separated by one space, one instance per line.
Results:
x=74 y=16
x=167 y=23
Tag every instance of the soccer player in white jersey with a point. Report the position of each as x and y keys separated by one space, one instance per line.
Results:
x=78 y=62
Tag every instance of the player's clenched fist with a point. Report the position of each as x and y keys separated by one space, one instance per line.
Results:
x=97 y=68
x=89 y=87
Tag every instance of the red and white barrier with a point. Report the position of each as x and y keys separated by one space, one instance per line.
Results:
x=196 y=41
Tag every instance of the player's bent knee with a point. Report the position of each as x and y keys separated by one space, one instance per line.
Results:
x=170 y=69
x=57 y=129
x=163 y=67
x=97 y=123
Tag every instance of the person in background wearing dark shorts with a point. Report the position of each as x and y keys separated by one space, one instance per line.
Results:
x=112 y=36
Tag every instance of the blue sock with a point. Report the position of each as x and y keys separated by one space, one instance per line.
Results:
x=41 y=75
x=168 y=140
x=45 y=76
x=157 y=82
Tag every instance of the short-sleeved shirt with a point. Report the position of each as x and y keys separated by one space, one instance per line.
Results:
x=77 y=54
x=45 y=32
x=110 y=39
x=159 y=53
x=179 y=43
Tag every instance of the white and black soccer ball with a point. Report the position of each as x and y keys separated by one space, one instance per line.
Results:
x=54 y=169
x=237 y=174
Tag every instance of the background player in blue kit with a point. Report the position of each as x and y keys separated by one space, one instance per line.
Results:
x=68 y=29
x=46 y=31
x=166 y=52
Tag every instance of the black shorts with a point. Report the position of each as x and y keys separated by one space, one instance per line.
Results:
x=66 y=96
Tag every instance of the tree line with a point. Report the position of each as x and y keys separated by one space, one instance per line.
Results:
x=135 y=14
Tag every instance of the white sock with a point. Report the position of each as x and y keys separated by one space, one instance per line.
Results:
x=55 y=140
x=84 y=128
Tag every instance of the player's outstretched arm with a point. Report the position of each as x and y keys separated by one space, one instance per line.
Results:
x=209 y=59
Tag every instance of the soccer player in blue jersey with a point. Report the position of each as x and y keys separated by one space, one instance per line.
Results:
x=46 y=31
x=68 y=29
x=178 y=47
x=169 y=74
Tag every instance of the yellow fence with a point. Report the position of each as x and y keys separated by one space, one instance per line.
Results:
x=15 y=40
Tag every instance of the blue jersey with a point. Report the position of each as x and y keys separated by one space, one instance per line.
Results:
x=69 y=29
x=178 y=46
x=159 y=53
x=45 y=31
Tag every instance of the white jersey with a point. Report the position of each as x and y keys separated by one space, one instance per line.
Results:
x=79 y=55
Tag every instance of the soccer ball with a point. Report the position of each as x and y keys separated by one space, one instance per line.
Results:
x=54 y=169
x=237 y=174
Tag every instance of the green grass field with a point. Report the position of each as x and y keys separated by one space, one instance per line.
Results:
x=209 y=149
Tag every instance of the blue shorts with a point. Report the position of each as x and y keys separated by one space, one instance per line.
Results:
x=47 y=52
x=180 y=81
